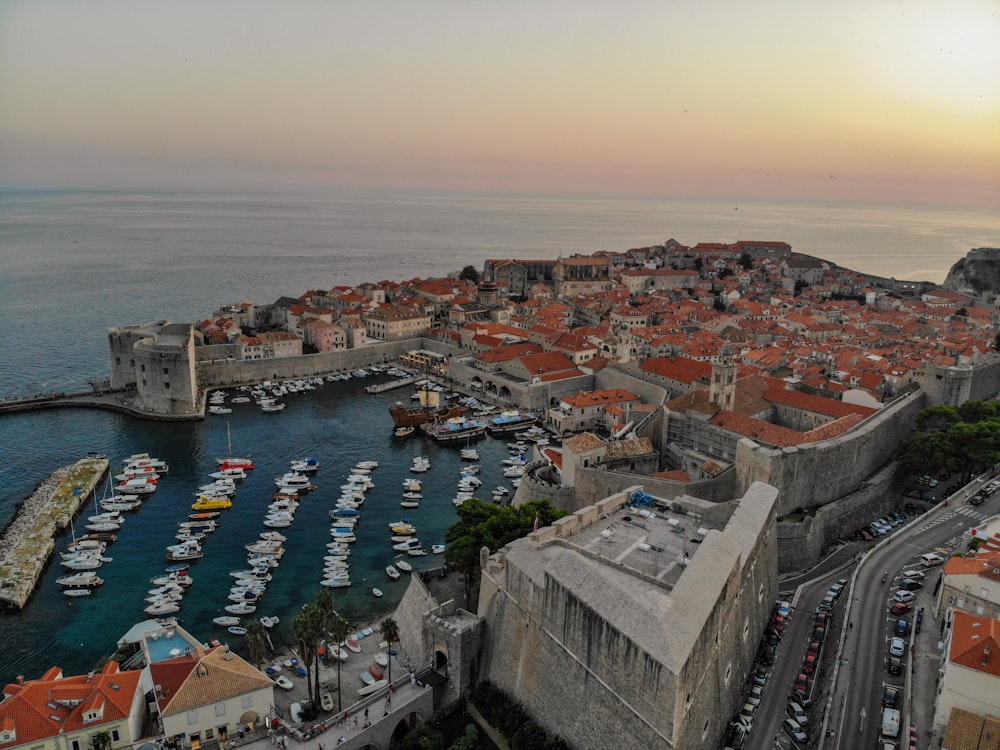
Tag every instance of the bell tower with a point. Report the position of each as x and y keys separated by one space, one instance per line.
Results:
x=723 y=389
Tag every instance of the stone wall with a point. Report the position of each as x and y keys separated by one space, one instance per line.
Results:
x=802 y=541
x=548 y=643
x=593 y=484
x=813 y=475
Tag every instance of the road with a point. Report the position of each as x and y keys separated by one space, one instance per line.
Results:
x=855 y=711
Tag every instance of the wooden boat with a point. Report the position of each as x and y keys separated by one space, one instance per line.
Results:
x=353 y=644
x=375 y=670
x=390 y=570
x=367 y=677
x=404 y=566
x=237 y=630
x=283 y=682
x=382 y=659
x=377 y=593
x=326 y=701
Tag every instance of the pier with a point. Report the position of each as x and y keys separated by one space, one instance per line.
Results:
x=28 y=541
x=391 y=385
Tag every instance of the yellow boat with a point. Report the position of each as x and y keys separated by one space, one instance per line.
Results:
x=211 y=503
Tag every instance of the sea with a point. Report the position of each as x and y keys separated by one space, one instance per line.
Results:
x=75 y=263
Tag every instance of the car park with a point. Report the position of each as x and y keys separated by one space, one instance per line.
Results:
x=899 y=608
x=904 y=596
x=897 y=646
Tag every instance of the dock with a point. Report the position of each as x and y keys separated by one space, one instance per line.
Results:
x=391 y=385
x=28 y=541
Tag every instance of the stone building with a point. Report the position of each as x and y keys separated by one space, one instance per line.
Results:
x=616 y=612
x=396 y=323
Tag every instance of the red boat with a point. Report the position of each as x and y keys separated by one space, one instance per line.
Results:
x=375 y=671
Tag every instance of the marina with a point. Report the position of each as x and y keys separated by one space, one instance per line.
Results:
x=321 y=424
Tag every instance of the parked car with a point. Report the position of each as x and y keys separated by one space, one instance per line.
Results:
x=760 y=676
x=902 y=627
x=819 y=634
x=914 y=573
x=897 y=646
x=865 y=534
x=821 y=620
x=802 y=683
x=814 y=648
x=796 y=712
x=827 y=604
x=899 y=608
x=801 y=698
x=910 y=584
x=977 y=499
x=747 y=713
x=895 y=665
x=904 y=596
x=809 y=664
x=756 y=695
x=794 y=730
x=890 y=696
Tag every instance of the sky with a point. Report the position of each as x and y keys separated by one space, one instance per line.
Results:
x=855 y=99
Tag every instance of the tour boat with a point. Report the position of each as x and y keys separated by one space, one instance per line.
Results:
x=509 y=421
x=454 y=429
x=80 y=580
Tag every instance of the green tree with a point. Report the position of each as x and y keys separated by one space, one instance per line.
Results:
x=256 y=642
x=390 y=631
x=937 y=418
x=486 y=525
x=307 y=628
x=469 y=273
x=325 y=612
x=339 y=630
x=470 y=741
x=746 y=261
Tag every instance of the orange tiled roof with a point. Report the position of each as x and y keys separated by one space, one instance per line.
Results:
x=975 y=642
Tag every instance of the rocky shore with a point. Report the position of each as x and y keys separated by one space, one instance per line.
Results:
x=27 y=542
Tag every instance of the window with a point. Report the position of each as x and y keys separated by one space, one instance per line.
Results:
x=166 y=386
x=220 y=709
x=192 y=718
x=75 y=745
x=247 y=701
x=166 y=371
x=115 y=735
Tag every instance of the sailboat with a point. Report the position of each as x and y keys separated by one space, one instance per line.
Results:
x=430 y=408
x=230 y=461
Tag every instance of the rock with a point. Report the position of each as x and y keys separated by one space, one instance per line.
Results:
x=979 y=271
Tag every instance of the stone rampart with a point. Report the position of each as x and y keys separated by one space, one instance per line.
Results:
x=812 y=475
x=593 y=484
x=802 y=540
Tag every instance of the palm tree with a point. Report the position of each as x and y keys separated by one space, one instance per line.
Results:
x=326 y=613
x=339 y=630
x=256 y=642
x=390 y=631
x=306 y=627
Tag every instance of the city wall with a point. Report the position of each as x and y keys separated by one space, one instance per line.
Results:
x=813 y=475
x=593 y=485
x=215 y=371
x=803 y=540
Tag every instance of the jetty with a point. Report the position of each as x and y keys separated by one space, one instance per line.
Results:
x=391 y=385
x=28 y=541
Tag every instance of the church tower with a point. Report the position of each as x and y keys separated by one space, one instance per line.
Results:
x=723 y=388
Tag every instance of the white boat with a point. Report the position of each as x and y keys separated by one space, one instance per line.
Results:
x=416 y=552
x=470 y=454
x=409 y=504
x=367 y=464
x=335 y=583
x=104 y=526
x=237 y=630
x=162 y=608
x=80 y=580
x=377 y=593
x=404 y=566
x=283 y=682
x=437 y=549
x=271 y=408
x=269 y=622
x=382 y=659
x=392 y=572
x=76 y=592
x=219 y=409
x=226 y=621
x=373 y=687
x=242 y=608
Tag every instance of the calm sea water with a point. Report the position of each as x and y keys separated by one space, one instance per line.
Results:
x=75 y=264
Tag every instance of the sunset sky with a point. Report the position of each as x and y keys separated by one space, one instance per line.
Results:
x=857 y=99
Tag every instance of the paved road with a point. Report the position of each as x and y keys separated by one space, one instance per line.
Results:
x=855 y=711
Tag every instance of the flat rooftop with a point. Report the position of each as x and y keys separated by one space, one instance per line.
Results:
x=653 y=541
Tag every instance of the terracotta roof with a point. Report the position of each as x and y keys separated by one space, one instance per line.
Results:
x=56 y=705
x=585 y=441
x=971 y=731
x=190 y=682
x=975 y=642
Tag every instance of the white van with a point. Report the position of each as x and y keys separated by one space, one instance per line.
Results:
x=930 y=558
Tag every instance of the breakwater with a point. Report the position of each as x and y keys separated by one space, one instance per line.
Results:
x=27 y=542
